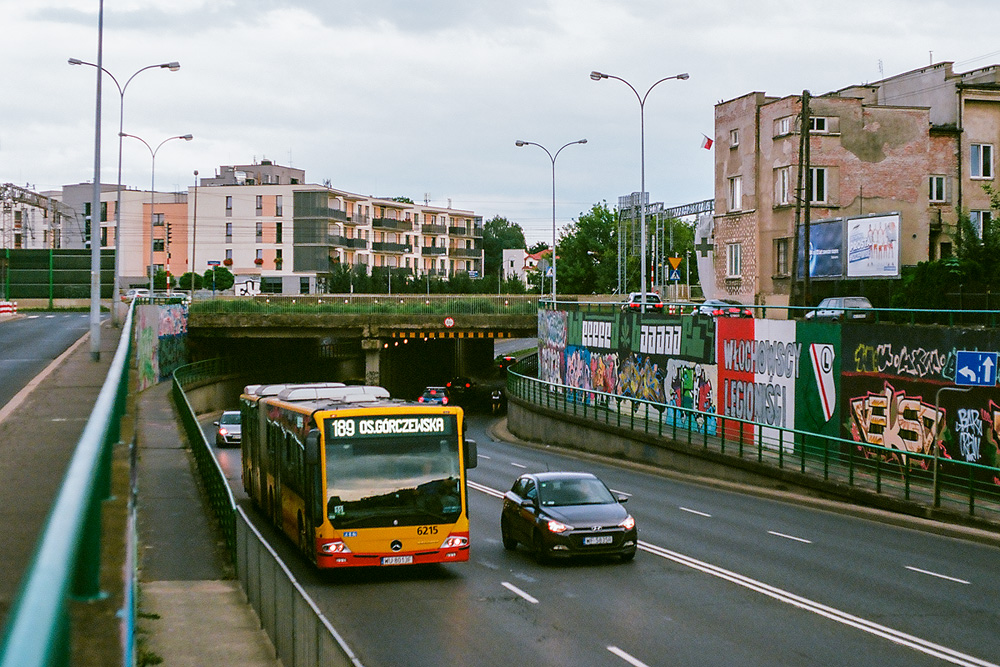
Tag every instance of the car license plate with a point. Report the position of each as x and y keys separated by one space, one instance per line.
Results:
x=598 y=539
x=397 y=560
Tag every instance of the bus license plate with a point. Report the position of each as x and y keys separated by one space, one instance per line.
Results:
x=598 y=539
x=397 y=560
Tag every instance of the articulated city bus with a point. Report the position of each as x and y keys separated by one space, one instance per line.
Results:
x=355 y=478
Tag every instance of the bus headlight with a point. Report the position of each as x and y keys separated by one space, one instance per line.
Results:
x=455 y=542
x=336 y=547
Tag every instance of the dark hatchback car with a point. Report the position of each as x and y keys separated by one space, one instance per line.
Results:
x=434 y=396
x=839 y=308
x=230 y=429
x=563 y=514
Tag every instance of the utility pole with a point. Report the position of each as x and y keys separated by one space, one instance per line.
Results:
x=809 y=190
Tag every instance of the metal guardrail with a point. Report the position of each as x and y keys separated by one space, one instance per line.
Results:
x=301 y=634
x=371 y=304
x=958 y=487
x=67 y=561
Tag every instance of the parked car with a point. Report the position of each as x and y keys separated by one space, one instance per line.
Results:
x=434 y=396
x=563 y=514
x=634 y=302
x=229 y=429
x=722 y=308
x=838 y=308
x=133 y=293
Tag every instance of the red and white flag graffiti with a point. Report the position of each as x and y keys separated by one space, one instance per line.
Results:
x=706 y=143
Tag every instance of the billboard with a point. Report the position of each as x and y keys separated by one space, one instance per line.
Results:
x=826 y=249
x=873 y=246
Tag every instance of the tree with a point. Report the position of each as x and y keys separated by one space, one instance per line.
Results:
x=184 y=282
x=499 y=234
x=538 y=247
x=219 y=278
x=587 y=254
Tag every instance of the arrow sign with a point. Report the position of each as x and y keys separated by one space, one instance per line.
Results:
x=975 y=368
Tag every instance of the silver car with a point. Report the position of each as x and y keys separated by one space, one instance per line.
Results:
x=839 y=308
x=229 y=429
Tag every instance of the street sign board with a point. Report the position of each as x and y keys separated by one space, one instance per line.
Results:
x=975 y=369
x=675 y=262
x=214 y=262
x=675 y=275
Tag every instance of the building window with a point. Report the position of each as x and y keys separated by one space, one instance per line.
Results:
x=277 y=233
x=158 y=245
x=260 y=254
x=260 y=204
x=817 y=124
x=229 y=254
x=734 y=263
x=229 y=205
x=734 y=138
x=260 y=232
x=781 y=257
x=277 y=206
x=937 y=193
x=781 y=182
x=157 y=219
x=982 y=161
x=229 y=232
x=783 y=126
x=979 y=220
x=736 y=193
x=945 y=249
x=819 y=185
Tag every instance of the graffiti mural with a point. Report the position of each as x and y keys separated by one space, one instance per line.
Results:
x=160 y=342
x=893 y=419
x=551 y=345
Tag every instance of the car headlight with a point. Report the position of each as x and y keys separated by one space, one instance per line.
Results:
x=557 y=527
x=628 y=523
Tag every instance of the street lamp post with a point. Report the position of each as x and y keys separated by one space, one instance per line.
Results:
x=152 y=192
x=553 y=160
x=173 y=67
x=597 y=76
x=194 y=237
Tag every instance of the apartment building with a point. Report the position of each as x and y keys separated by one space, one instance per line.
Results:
x=33 y=220
x=890 y=166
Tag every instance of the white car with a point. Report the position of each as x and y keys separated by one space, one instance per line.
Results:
x=133 y=293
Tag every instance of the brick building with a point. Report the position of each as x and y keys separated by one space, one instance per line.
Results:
x=892 y=163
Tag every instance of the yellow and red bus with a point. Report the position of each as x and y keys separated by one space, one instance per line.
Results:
x=355 y=478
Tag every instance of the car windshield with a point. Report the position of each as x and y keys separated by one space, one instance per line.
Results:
x=579 y=491
x=230 y=418
x=857 y=302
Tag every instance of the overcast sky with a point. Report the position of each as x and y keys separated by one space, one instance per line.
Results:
x=425 y=98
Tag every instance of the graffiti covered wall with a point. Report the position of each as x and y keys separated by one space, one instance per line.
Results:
x=160 y=342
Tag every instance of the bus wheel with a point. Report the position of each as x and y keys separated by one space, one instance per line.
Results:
x=302 y=535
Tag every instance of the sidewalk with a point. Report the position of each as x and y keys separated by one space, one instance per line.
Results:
x=192 y=612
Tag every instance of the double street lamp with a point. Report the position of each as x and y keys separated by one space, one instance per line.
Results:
x=173 y=67
x=152 y=194
x=552 y=158
x=597 y=76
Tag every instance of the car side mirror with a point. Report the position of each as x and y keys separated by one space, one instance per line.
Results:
x=471 y=454
x=623 y=499
x=215 y=423
x=527 y=502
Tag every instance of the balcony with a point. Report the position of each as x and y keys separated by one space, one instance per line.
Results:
x=392 y=225
x=434 y=229
x=477 y=232
x=458 y=231
x=466 y=253
x=381 y=246
x=344 y=242
x=432 y=250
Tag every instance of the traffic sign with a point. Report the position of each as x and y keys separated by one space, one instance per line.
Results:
x=675 y=275
x=214 y=262
x=675 y=262
x=976 y=369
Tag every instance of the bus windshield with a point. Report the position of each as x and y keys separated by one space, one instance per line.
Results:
x=392 y=471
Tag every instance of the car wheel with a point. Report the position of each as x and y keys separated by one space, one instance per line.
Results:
x=509 y=543
x=538 y=546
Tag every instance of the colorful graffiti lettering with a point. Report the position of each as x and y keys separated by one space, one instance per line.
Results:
x=894 y=420
x=991 y=453
x=917 y=362
x=551 y=345
x=639 y=377
x=969 y=433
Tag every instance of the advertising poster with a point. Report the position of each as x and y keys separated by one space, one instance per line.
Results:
x=826 y=249
x=873 y=246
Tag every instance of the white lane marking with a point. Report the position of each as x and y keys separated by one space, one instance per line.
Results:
x=939 y=576
x=518 y=465
x=685 y=509
x=621 y=493
x=895 y=636
x=626 y=657
x=789 y=537
x=483 y=456
x=514 y=589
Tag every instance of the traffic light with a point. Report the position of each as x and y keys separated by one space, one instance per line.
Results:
x=168 y=233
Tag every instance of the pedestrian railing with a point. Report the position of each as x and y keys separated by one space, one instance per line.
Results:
x=371 y=304
x=66 y=564
x=914 y=477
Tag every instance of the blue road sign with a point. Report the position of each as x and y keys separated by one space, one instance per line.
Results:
x=214 y=262
x=976 y=369
x=675 y=275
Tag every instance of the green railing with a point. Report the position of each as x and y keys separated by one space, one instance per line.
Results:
x=67 y=561
x=220 y=495
x=372 y=304
x=923 y=479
